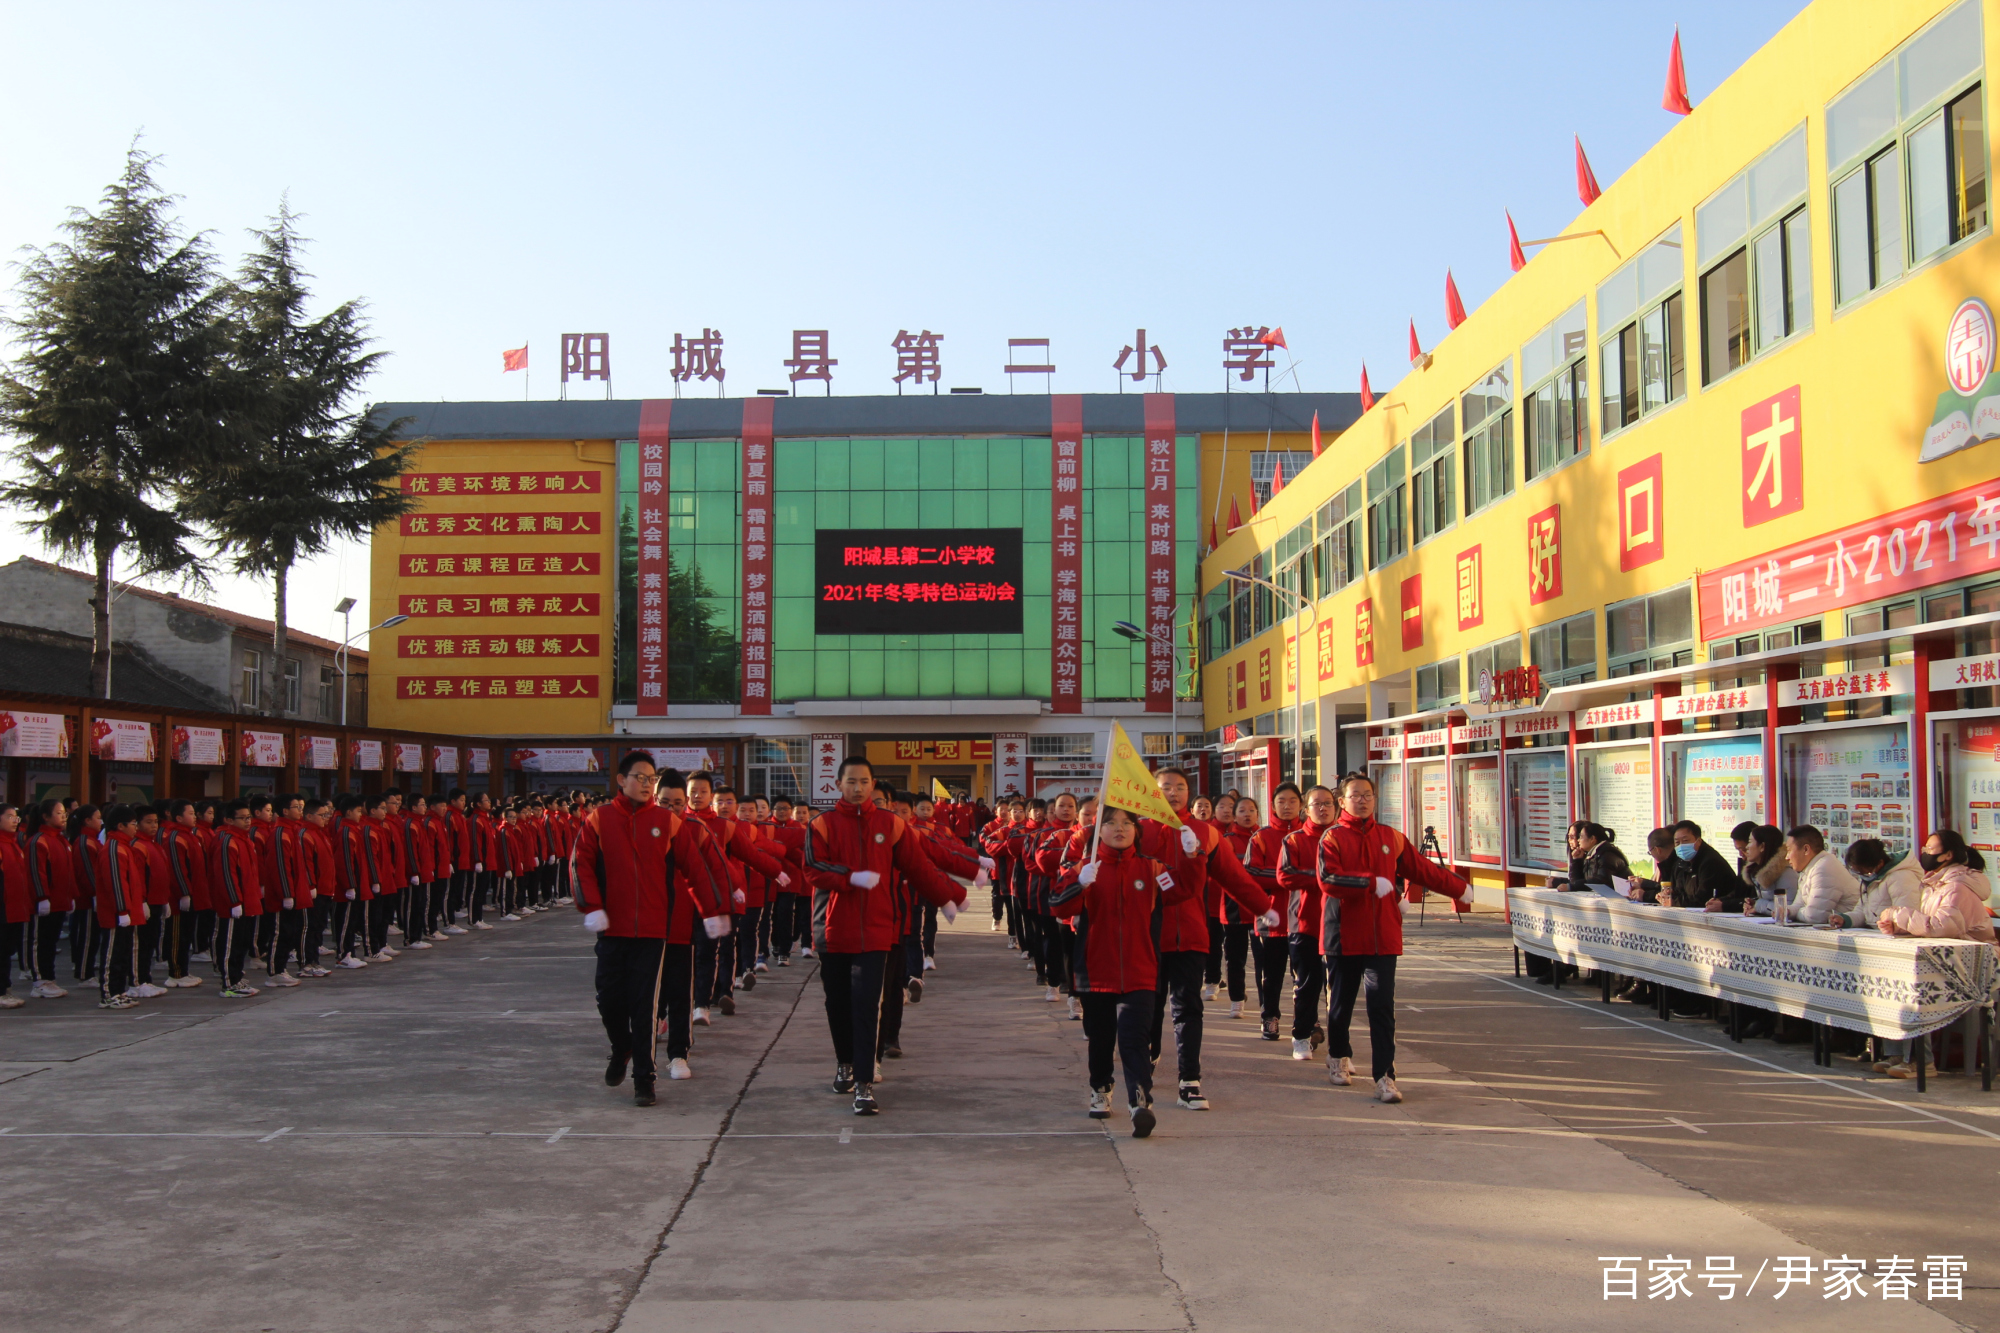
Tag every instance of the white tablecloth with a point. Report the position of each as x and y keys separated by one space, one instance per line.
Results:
x=1889 y=986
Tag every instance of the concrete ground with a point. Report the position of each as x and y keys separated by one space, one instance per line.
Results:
x=428 y=1146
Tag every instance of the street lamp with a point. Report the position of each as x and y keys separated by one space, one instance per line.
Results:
x=1311 y=610
x=345 y=606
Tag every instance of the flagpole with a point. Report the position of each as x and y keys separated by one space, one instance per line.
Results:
x=527 y=374
x=1103 y=793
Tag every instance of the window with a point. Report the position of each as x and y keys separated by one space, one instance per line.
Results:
x=1264 y=469
x=1567 y=650
x=1754 y=245
x=329 y=693
x=1483 y=664
x=291 y=679
x=1340 y=522
x=1387 y=536
x=253 y=679
x=1725 y=310
x=1079 y=745
x=1486 y=415
x=1433 y=474
x=1294 y=558
x=1556 y=394
x=1650 y=633
x=1642 y=366
x=1906 y=150
x=1437 y=685
x=776 y=768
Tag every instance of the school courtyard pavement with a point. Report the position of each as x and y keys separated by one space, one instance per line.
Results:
x=428 y=1145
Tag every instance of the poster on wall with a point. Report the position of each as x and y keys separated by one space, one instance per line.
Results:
x=1430 y=782
x=1477 y=834
x=1722 y=784
x=198 y=745
x=827 y=751
x=117 y=739
x=408 y=756
x=319 y=752
x=264 y=749
x=1388 y=794
x=1010 y=764
x=1851 y=783
x=479 y=762
x=367 y=756
x=34 y=736
x=563 y=759
x=1975 y=786
x=1538 y=798
x=444 y=760
x=686 y=758
x=1618 y=793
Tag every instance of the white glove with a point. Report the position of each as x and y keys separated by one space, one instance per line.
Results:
x=233 y=912
x=982 y=879
x=716 y=926
x=124 y=920
x=1189 y=843
x=288 y=904
x=739 y=899
x=413 y=881
x=479 y=865
x=784 y=880
x=1088 y=875
x=864 y=879
x=949 y=912
x=987 y=864
x=350 y=895
x=42 y=907
x=1271 y=920
x=597 y=922
x=1384 y=887
x=186 y=903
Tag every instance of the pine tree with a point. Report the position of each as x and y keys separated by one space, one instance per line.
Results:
x=114 y=394
x=305 y=468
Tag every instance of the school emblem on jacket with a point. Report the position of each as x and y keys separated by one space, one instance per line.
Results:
x=656 y=833
x=878 y=837
x=1385 y=849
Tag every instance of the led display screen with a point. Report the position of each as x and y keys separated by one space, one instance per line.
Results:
x=917 y=581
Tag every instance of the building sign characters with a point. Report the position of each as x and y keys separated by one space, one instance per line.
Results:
x=1139 y=371
x=811 y=357
x=917 y=357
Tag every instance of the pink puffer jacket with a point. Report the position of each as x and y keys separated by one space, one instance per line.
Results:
x=1953 y=908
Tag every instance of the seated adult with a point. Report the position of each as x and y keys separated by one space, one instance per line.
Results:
x=1886 y=881
x=1660 y=851
x=1742 y=835
x=1766 y=871
x=1594 y=857
x=1825 y=886
x=1701 y=878
x=1953 y=906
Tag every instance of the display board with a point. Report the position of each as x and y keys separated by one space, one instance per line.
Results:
x=34 y=735
x=1538 y=808
x=1616 y=790
x=1389 y=794
x=1851 y=783
x=1429 y=791
x=1975 y=782
x=917 y=581
x=1718 y=784
x=1476 y=802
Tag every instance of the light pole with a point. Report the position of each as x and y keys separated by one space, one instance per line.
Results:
x=345 y=607
x=1311 y=611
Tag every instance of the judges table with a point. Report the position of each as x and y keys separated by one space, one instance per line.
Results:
x=1890 y=986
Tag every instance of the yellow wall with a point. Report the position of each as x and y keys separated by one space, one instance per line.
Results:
x=392 y=652
x=1869 y=376
x=1225 y=469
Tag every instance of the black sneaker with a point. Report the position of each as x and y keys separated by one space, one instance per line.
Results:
x=843 y=1078
x=614 y=1072
x=864 y=1099
x=749 y=981
x=914 y=991
x=1142 y=1118
x=726 y=1004
x=642 y=1094
x=1270 y=1029
x=892 y=1052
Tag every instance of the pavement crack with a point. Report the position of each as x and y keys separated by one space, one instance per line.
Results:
x=714 y=1143
x=1152 y=1236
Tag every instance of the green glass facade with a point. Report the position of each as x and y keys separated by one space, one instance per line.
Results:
x=963 y=482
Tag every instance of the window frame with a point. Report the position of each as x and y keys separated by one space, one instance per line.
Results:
x=1565 y=627
x=1478 y=434
x=1677 y=652
x=1394 y=492
x=1657 y=302
x=1574 y=367
x=253 y=678
x=1437 y=471
x=1347 y=530
x=1785 y=220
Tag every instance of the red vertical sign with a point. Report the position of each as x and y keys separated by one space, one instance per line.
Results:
x=1066 y=552
x=756 y=636
x=655 y=414
x=1162 y=593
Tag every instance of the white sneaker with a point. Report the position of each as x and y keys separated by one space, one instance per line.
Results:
x=511 y=916
x=996 y=927
x=148 y=991
x=1340 y=1070
x=351 y=962
x=761 y=967
x=1302 y=1048
x=1386 y=1090
x=1236 y=1008
x=930 y=963
x=386 y=956
x=678 y=1068
x=47 y=990
x=199 y=958
x=482 y=925
x=283 y=979
x=391 y=950
x=454 y=930
x=806 y=952
x=700 y=1018
x=11 y=1002
x=436 y=937
x=423 y=944
x=1208 y=992
x=1052 y=996
x=1075 y=1008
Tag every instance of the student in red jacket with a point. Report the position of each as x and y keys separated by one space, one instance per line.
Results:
x=413 y=840
x=1306 y=918
x=17 y=904
x=461 y=833
x=238 y=894
x=1273 y=941
x=355 y=882
x=715 y=974
x=120 y=875
x=86 y=938
x=379 y=836
x=160 y=898
x=319 y=834
x=850 y=852
x=45 y=843
x=790 y=918
x=485 y=860
x=952 y=855
x=1359 y=864
x=1115 y=900
x=642 y=875
x=187 y=872
x=285 y=874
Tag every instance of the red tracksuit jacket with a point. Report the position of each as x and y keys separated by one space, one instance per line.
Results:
x=187 y=864
x=1353 y=853
x=1117 y=918
x=1261 y=860
x=1184 y=926
x=232 y=875
x=652 y=872
x=851 y=838
x=52 y=870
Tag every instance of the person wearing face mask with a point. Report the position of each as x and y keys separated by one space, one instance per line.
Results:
x=1953 y=906
x=1886 y=881
x=1825 y=886
x=1701 y=877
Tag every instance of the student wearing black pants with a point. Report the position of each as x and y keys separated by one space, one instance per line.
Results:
x=629 y=971
x=1309 y=982
x=785 y=924
x=1273 y=954
x=39 y=951
x=1374 y=977
x=1121 y=1021
x=1212 y=974
x=676 y=1002
x=855 y=991
x=1180 y=974
x=1236 y=954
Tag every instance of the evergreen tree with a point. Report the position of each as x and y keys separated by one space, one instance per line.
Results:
x=114 y=394
x=305 y=467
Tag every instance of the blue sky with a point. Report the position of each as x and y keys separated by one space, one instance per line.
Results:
x=484 y=174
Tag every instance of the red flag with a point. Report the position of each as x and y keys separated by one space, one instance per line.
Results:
x=1454 y=309
x=1277 y=478
x=1586 y=180
x=514 y=359
x=1319 y=448
x=1515 y=256
x=1275 y=338
x=1235 y=517
x=1416 y=348
x=1676 y=99
x=1254 y=506
x=1367 y=394
x=1212 y=542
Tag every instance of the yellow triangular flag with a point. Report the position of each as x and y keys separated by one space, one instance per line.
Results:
x=1130 y=785
x=939 y=791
